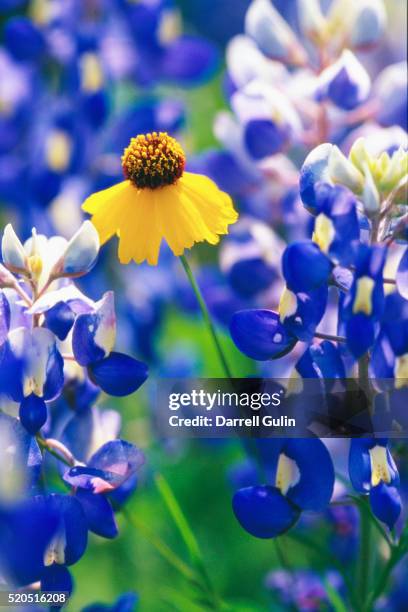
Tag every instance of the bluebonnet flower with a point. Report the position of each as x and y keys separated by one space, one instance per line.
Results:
x=250 y=257
x=345 y=83
x=63 y=318
x=363 y=305
x=389 y=354
x=53 y=340
x=366 y=175
x=301 y=478
x=373 y=471
x=270 y=123
x=106 y=471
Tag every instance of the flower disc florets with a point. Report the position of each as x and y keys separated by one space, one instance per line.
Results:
x=153 y=160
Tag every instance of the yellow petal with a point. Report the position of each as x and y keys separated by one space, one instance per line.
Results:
x=189 y=211
x=139 y=233
x=109 y=207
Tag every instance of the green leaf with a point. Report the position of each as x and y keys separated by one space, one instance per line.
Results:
x=334 y=598
x=178 y=517
x=179 y=602
x=162 y=548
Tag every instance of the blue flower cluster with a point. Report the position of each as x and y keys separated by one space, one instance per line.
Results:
x=56 y=356
x=342 y=309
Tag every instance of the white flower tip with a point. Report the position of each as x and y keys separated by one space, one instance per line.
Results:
x=81 y=252
x=13 y=254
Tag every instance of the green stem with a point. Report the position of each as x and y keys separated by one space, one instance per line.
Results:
x=162 y=548
x=366 y=537
x=206 y=316
x=280 y=554
x=189 y=539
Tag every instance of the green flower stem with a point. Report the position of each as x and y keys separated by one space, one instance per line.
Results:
x=364 y=566
x=189 y=540
x=161 y=547
x=206 y=316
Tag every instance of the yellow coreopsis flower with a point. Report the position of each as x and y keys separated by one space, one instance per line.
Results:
x=159 y=201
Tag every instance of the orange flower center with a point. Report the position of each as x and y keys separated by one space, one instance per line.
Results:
x=153 y=160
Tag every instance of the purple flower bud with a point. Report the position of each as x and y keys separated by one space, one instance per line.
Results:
x=346 y=83
x=369 y=23
x=272 y=34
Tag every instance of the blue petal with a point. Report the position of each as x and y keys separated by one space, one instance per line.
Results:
x=264 y=512
x=315 y=487
x=382 y=361
x=25 y=532
x=359 y=464
x=120 y=496
x=93 y=334
x=107 y=469
x=33 y=413
x=33 y=356
x=98 y=513
x=264 y=137
x=259 y=334
x=360 y=334
x=120 y=456
x=72 y=524
x=25 y=454
x=96 y=108
x=189 y=59
x=386 y=503
x=23 y=39
x=402 y=275
x=346 y=82
x=310 y=310
x=57 y=579
x=340 y=206
x=224 y=168
x=11 y=372
x=395 y=323
x=370 y=261
x=59 y=319
x=89 y=428
x=118 y=374
x=321 y=360
x=4 y=317
x=82 y=393
x=304 y=266
x=250 y=276
x=314 y=170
